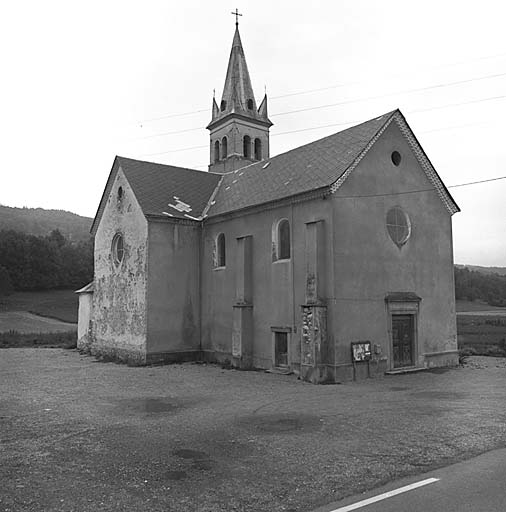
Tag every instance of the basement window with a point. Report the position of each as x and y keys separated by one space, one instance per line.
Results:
x=118 y=249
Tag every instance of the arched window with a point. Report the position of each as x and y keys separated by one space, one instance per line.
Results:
x=281 y=240
x=258 y=149
x=220 y=251
x=246 y=150
x=120 y=193
x=217 y=151
x=223 y=105
x=250 y=104
x=224 y=149
x=284 y=240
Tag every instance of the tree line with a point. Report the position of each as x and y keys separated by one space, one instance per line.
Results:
x=473 y=285
x=29 y=262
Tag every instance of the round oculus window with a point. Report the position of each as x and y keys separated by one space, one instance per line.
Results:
x=398 y=225
x=118 y=249
x=396 y=158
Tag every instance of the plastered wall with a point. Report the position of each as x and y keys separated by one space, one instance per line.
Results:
x=368 y=265
x=173 y=321
x=119 y=302
x=278 y=287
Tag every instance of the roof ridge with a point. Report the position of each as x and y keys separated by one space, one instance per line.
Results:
x=119 y=157
x=389 y=114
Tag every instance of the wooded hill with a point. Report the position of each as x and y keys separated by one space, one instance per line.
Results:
x=480 y=285
x=40 y=222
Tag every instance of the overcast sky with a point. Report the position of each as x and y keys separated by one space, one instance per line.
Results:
x=84 y=81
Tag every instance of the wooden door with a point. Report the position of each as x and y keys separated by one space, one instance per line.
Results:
x=403 y=340
x=281 y=349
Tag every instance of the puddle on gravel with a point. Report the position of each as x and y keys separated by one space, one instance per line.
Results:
x=176 y=475
x=201 y=460
x=282 y=423
x=186 y=453
x=150 y=405
x=440 y=395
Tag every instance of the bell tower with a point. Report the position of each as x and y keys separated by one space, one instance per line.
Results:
x=239 y=131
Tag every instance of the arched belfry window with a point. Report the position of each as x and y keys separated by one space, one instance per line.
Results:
x=250 y=104
x=281 y=240
x=258 y=149
x=217 y=151
x=246 y=146
x=224 y=148
x=220 y=260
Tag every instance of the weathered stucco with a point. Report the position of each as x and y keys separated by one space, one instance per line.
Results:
x=119 y=302
x=84 y=319
x=169 y=301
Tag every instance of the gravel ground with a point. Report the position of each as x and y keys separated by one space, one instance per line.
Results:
x=79 y=435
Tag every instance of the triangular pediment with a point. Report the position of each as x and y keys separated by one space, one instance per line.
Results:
x=419 y=153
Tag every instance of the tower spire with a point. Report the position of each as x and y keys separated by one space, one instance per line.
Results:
x=239 y=131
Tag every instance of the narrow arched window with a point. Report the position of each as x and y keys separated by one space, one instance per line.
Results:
x=284 y=240
x=258 y=149
x=223 y=105
x=217 y=151
x=281 y=240
x=246 y=146
x=220 y=251
x=250 y=104
x=224 y=149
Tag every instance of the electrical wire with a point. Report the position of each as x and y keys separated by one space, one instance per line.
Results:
x=308 y=91
x=340 y=103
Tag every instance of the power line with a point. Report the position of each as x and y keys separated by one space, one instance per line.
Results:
x=409 y=91
x=308 y=91
x=319 y=127
x=347 y=102
x=422 y=190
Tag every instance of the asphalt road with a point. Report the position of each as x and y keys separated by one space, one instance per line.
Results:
x=476 y=485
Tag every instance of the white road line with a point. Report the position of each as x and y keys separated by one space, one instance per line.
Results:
x=385 y=495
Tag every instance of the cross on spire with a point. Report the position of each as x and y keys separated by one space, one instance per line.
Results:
x=236 y=14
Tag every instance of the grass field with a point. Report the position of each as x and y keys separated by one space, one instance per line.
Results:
x=59 y=304
x=469 y=306
x=482 y=335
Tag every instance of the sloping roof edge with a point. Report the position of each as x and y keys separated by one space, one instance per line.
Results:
x=419 y=153
x=105 y=195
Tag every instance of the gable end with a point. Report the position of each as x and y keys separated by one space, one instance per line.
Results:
x=420 y=155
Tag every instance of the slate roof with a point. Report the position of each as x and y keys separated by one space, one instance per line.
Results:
x=238 y=90
x=168 y=191
x=306 y=168
x=157 y=187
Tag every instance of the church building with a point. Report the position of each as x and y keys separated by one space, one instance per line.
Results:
x=333 y=260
